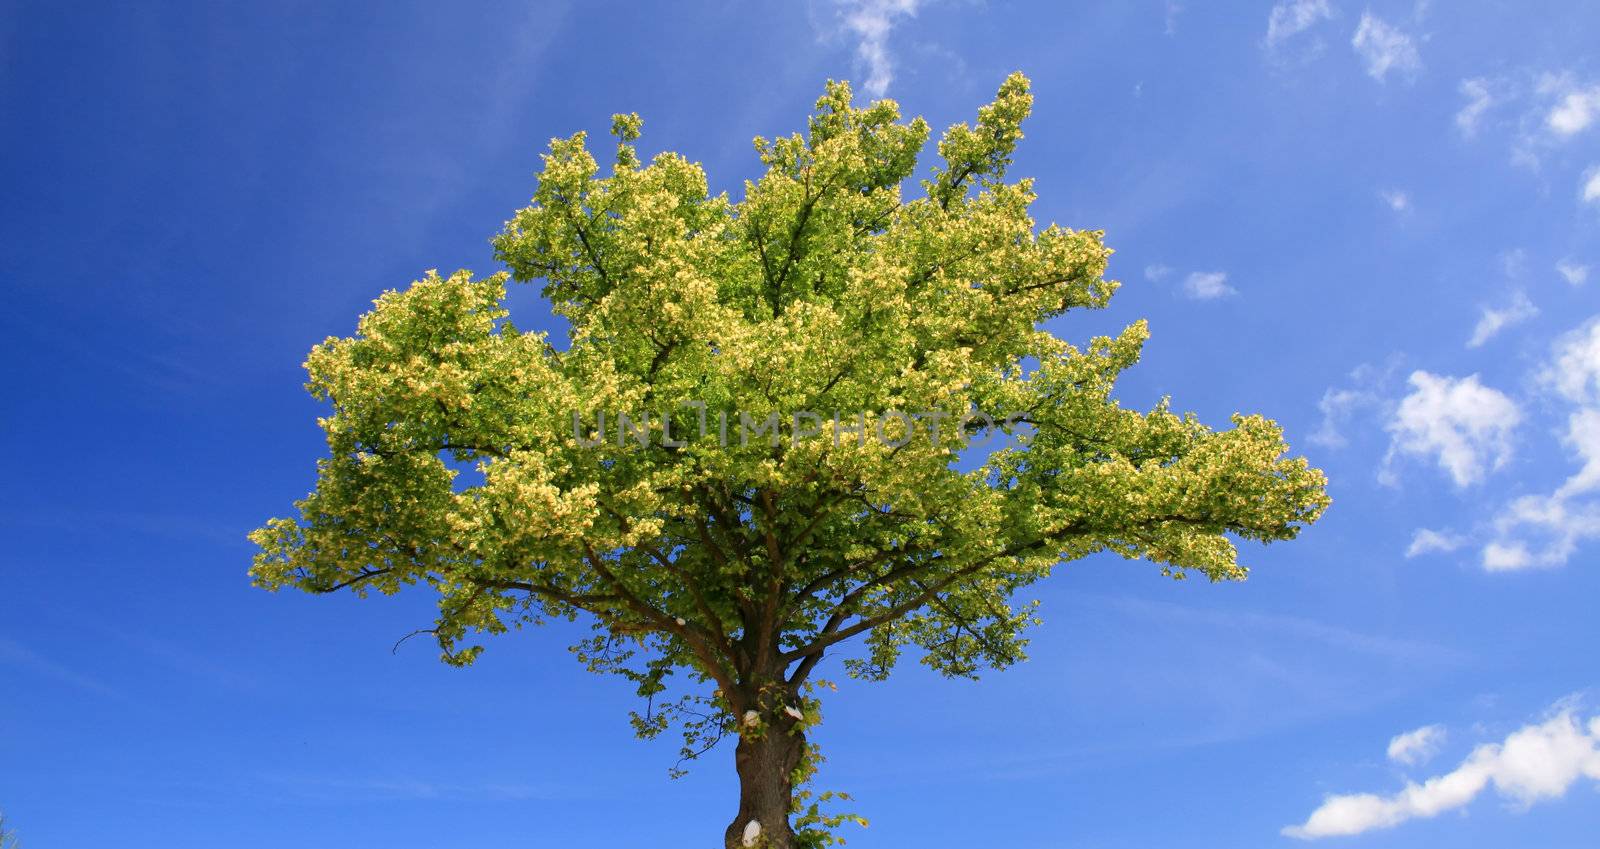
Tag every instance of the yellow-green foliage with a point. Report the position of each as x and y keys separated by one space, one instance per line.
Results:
x=830 y=285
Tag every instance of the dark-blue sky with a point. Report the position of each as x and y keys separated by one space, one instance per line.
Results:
x=192 y=195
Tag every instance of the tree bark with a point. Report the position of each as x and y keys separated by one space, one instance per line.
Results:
x=766 y=766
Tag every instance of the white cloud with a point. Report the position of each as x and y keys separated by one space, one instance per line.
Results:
x=1292 y=17
x=1506 y=557
x=1572 y=272
x=1574 y=367
x=1397 y=200
x=1583 y=437
x=1552 y=108
x=1492 y=320
x=1384 y=48
x=1560 y=107
x=1463 y=424
x=1199 y=285
x=1591 y=184
x=871 y=21
x=1574 y=111
x=1208 y=285
x=1426 y=541
x=1533 y=764
x=1415 y=748
x=1540 y=530
x=1479 y=99
x=1545 y=530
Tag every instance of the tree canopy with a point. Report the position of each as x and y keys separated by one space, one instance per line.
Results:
x=862 y=320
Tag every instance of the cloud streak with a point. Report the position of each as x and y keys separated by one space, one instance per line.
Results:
x=870 y=22
x=1426 y=541
x=1286 y=627
x=1536 y=763
x=1492 y=320
x=15 y=654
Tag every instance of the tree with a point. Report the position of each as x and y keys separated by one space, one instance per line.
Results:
x=760 y=439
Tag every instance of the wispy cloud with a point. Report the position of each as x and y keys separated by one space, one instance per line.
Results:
x=1536 y=763
x=1492 y=320
x=1338 y=405
x=1546 y=529
x=324 y=788
x=1540 y=531
x=1572 y=272
x=189 y=663
x=1426 y=541
x=1199 y=285
x=1208 y=285
x=1385 y=49
x=1396 y=200
x=1514 y=263
x=1480 y=98
x=1591 y=185
x=1415 y=748
x=1549 y=110
x=1174 y=9
x=1290 y=18
x=870 y=22
x=1573 y=371
x=1554 y=108
x=1286 y=626
x=517 y=70
x=15 y=654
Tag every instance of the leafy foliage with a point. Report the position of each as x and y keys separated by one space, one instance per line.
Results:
x=738 y=564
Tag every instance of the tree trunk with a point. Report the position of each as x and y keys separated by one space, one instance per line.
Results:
x=766 y=767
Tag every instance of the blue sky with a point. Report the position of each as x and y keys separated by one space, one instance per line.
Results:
x=1377 y=223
